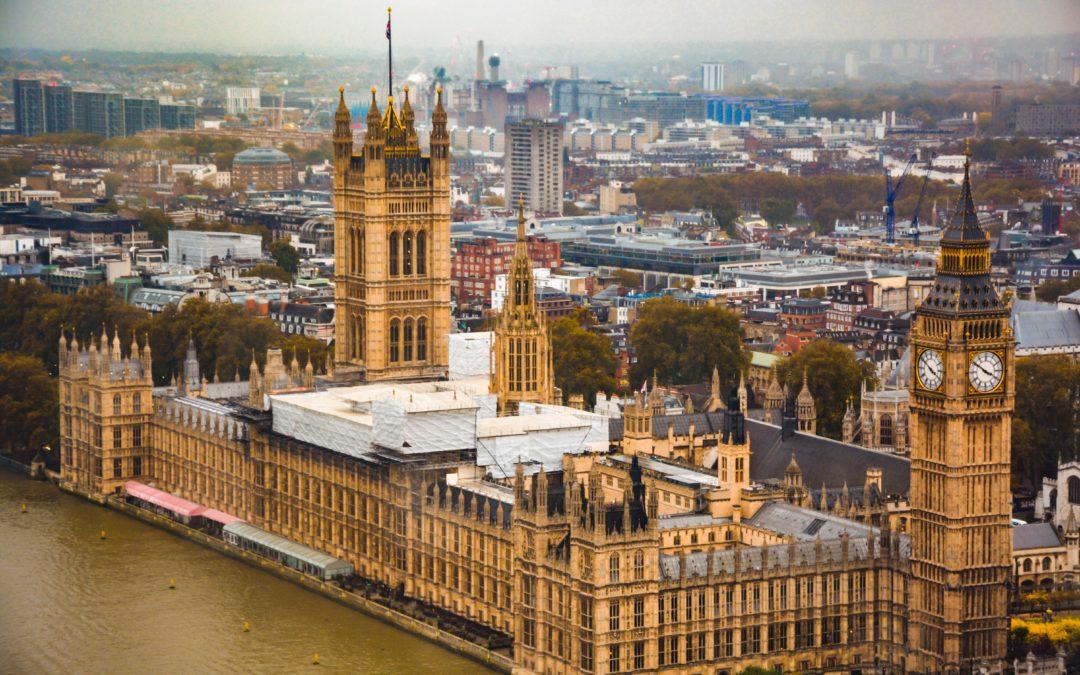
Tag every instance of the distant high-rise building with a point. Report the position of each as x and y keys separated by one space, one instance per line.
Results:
x=995 y=104
x=177 y=116
x=141 y=114
x=99 y=112
x=29 y=107
x=534 y=171
x=851 y=66
x=59 y=108
x=712 y=76
x=241 y=100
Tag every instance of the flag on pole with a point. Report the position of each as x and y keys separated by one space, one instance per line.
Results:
x=387 y=23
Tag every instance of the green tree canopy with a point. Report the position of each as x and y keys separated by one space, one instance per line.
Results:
x=28 y=405
x=583 y=360
x=1052 y=289
x=157 y=224
x=682 y=344
x=286 y=257
x=1045 y=424
x=833 y=374
x=268 y=271
x=777 y=211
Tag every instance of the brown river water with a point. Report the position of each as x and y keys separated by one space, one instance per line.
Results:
x=72 y=603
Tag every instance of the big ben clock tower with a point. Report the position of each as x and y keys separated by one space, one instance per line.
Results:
x=961 y=421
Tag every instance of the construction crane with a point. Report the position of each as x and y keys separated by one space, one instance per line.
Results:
x=890 y=198
x=918 y=204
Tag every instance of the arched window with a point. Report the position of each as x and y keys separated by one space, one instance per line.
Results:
x=116 y=404
x=395 y=340
x=421 y=253
x=613 y=569
x=408 y=351
x=136 y=402
x=639 y=565
x=885 y=430
x=421 y=339
x=407 y=254
x=395 y=251
x=1027 y=565
x=1046 y=564
x=1074 y=490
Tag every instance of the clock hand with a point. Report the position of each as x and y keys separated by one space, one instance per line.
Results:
x=980 y=367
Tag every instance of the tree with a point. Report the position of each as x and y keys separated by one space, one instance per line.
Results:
x=682 y=344
x=583 y=360
x=834 y=376
x=826 y=214
x=285 y=255
x=268 y=271
x=817 y=292
x=1045 y=424
x=1051 y=289
x=628 y=278
x=28 y=405
x=157 y=224
x=777 y=211
x=112 y=182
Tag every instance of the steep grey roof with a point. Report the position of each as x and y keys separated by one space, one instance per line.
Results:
x=822 y=460
x=805 y=524
x=1034 y=535
x=1047 y=328
x=704 y=423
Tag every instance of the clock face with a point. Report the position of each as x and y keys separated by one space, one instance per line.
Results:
x=930 y=369
x=985 y=371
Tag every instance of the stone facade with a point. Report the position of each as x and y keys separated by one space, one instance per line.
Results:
x=391 y=246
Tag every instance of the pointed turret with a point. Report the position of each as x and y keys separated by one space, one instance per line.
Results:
x=774 y=395
x=440 y=137
x=744 y=395
x=805 y=410
x=849 y=424
x=309 y=373
x=716 y=397
x=408 y=118
x=343 y=138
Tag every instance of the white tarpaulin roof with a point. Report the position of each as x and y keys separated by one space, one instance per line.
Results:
x=470 y=355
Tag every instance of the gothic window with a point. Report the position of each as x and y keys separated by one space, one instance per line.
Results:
x=639 y=565
x=613 y=569
x=395 y=251
x=408 y=351
x=116 y=404
x=1074 y=490
x=421 y=339
x=1027 y=565
x=886 y=430
x=407 y=253
x=421 y=253
x=1046 y=564
x=136 y=402
x=395 y=340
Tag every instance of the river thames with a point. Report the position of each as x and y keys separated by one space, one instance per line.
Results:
x=72 y=603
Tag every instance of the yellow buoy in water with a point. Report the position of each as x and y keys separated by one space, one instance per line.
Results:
x=103 y=533
x=246 y=625
x=24 y=507
x=315 y=659
x=172 y=584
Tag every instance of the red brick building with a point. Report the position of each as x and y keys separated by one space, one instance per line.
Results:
x=475 y=265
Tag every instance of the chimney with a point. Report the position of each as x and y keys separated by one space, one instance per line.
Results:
x=479 y=59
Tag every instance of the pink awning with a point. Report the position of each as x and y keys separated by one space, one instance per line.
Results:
x=163 y=499
x=219 y=516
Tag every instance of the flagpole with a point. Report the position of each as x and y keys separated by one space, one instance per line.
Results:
x=389 y=58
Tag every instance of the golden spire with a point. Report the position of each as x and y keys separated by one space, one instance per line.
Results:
x=521 y=220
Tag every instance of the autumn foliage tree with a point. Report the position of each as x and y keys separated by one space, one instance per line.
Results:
x=28 y=406
x=1045 y=426
x=682 y=344
x=833 y=374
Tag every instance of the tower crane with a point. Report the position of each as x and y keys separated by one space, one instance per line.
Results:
x=890 y=198
x=918 y=204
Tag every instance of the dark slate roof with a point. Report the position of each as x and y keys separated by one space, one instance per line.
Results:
x=964 y=225
x=805 y=524
x=1034 y=535
x=1047 y=329
x=822 y=460
x=704 y=423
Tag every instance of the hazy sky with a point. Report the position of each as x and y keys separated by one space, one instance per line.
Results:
x=340 y=26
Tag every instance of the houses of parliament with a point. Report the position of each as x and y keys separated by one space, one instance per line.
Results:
x=640 y=539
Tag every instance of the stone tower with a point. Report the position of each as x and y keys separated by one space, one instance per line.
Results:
x=522 y=368
x=105 y=408
x=392 y=246
x=961 y=423
x=805 y=410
